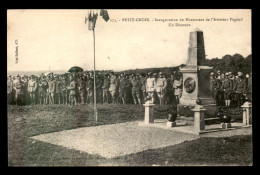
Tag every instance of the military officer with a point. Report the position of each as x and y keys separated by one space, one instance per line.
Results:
x=32 y=86
x=240 y=89
x=112 y=88
x=136 y=90
x=105 y=88
x=227 y=86
x=72 y=90
x=42 y=89
x=123 y=88
x=177 y=85
x=161 y=84
x=51 y=88
x=90 y=89
x=99 y=83
x=58 y=89
x=81 y=88
x=18 y=86
x=150 y=86
x=143 y=89
x=170 y=90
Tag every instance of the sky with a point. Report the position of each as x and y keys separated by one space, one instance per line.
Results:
x=60 y=39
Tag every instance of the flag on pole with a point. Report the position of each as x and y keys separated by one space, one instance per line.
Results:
x=104 y=14
x=92 y=18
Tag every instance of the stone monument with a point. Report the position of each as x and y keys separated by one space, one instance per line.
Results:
x=195 y=74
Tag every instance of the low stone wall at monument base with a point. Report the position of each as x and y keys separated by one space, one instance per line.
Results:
x=211 y=111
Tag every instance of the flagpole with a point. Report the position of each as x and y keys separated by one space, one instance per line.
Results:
x=95 y=105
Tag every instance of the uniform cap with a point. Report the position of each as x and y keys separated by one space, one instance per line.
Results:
x=240 y=74
x=218 y=71
x=226 y=73
x=212 y=73
x=154 y=73
x=160 y=73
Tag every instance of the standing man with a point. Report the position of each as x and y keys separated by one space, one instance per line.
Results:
x=249 y=88
x=177 y=85
x=90 y=89
x=42 y=89
x=9 y=89
x=143 y=89
x=227 y=87
x=99 y=83
x=58 y=88
x=122 y=88
x=72 y=90
x=136 y=90
x=81 y=88
x=105 y=87
x=51 y=88
x=112 y=88
x=18 y=86
x=240 y=89
x=150 y=86
x=161 y=85
x=170 y=90
x=32 y=86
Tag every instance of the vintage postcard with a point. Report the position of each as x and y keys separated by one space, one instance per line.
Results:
x=135 y=87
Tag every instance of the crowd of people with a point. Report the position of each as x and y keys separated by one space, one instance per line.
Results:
x=78 y=88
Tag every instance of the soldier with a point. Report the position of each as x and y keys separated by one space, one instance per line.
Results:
x=105 y=87
x=227 y=87
x=9 y=89
x=161 y=85
x=99 y=83
x=112 y=88
x=32 y=86
x=177 y=85
x=58 y=89
x=143 y=89
x=215 y=85
x=90 y=89
x=117 y=88
x=18 y=85
x=81 y=88
x=240 y=89
x=64 y=85
x=42 y=89
x=136 y=90
x=170 y=90
x=122 y=88
x=150 y=86
x=51 y=88
x=72 y=90
x=25 y=94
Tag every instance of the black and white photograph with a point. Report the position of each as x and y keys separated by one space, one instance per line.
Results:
x=129 y=87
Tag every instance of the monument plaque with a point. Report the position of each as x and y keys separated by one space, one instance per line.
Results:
x=195 y=74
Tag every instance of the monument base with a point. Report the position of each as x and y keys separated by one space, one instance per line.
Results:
x=225 y=125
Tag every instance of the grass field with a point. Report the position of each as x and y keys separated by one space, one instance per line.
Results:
x=27 y=121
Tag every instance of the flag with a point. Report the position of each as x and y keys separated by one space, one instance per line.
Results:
x=104 y=14
x=92 y=18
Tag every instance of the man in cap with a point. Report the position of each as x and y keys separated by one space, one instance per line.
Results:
x=9 y=89
x=150 y=86
x=170 y=99
x=136 y=90
x=32 y=86
x=105 y=88
x=240 y=89
x=90 y=88
x=215 y=85
x=72 y=90
x=58 y=89
x=227 y=87
x=177 y=85
x=123 y=88
x=143 y=89
x=42 y=89
x=161 y=85
x=64 y=93
x=18 y=85
x=99 y=83
x=81 y=88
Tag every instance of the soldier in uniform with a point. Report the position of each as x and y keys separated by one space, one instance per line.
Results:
x=150 y=86
x=177 y=85
x=143 y=89
x=58 y=89
x=25 y=94
x=227 y=87
x=112 y=88
x=136 y=90
x=170 y=90
x=81 y=88
x=51 y=88
x=161 y=84
x=72 y=90
x=123 y=88
x=90 y=89
x=43 y=86
x=99 y=83
x=249 y=88
x=32 y=86
x=18 y=86
x=215 y=86
x=9 y=89
x=105 y=87
x=240 y=89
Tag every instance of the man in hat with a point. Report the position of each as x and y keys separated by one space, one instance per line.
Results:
x=90 y=88
x=136 y=90
x=105 y=88
x=143 y=89
x=72 y=90
x=227 y=87
x=58 y=89
x=99 y=83
x=81 y=89
x=42 y=89
x=9 y=89
x=150 y=86
x=170 y=99
x=177 y=85
x=161 y=85
x=123 y=88
x=18 y=85
x=32 y=86
x=240 y=89
x=215 y=85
